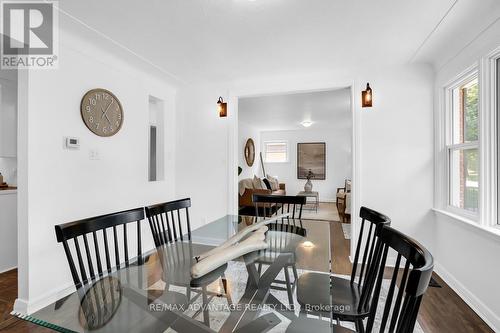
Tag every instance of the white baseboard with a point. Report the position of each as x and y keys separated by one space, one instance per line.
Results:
x=7 y=269
x=208 y=240
x=482 y=310
x=22 y=306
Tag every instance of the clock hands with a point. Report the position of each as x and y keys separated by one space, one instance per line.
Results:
x=104 y=114
x=106 y=111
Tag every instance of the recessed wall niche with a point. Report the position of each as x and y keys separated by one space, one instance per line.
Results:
x=156 y=133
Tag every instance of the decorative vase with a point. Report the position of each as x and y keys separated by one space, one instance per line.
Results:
x=308 y=186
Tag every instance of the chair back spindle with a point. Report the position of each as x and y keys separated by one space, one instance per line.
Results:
x=374 y=222
x=75 y=234
x=269 y=205
x=400 y=310
x=165 y=221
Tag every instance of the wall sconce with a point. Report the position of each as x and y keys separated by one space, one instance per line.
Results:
x=222 y=107
x=367 y=97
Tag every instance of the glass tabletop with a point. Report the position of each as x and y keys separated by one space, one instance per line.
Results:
x=256 y=292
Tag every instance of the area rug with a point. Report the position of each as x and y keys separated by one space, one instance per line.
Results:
x=327 y=211
x=237 y=272
x=346 y=229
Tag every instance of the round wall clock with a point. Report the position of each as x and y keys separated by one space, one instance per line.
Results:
x=101 y=112
x=249 y=152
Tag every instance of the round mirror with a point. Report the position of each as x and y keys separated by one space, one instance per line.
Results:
x=249 y=152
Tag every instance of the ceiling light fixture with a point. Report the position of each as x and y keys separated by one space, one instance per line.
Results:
x=222 y=107
x=306 y=123
x=367 y=97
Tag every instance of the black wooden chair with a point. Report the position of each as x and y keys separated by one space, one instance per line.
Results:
x=166 y=223
x=313 y=288
x=109 y=239
x=269 y=205
x=99 y=227
x=399 y=312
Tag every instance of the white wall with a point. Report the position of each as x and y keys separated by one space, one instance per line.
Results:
x=8 y=117
x=338 y=159
x=394 y=139
x=8 y=126
x=246 y=132
x=8 y=230
x=202 y=152
x=467 y=257
x=63 y=185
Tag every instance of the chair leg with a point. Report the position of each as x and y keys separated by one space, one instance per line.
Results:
x=206 y=317
x=288 y=287
x=295 y=274
x=360 y=327
x=226 y=290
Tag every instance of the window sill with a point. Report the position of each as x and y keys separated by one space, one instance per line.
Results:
x=491 y=231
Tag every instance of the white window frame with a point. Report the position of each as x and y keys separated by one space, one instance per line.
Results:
x=470 y=74
x=487 y=219
x=264 y=150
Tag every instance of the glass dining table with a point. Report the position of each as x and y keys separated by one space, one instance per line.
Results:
x=156 y=293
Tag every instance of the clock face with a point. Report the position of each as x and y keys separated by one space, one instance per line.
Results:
x=102 y=112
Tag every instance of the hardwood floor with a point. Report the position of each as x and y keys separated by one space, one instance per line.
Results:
x=8 y=294
x=441 y=310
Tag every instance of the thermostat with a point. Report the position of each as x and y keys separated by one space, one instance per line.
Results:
x=72 y=143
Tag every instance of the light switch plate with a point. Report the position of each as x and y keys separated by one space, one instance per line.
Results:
x=94 y=154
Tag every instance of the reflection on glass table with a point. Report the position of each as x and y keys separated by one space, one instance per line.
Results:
x=253 y=293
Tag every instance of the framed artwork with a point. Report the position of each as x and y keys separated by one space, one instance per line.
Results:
x=311 y=156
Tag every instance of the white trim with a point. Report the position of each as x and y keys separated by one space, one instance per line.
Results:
x=493 y=232
x=298 y=86
x=208 y=240
x=8 y=269
x=489 y=200
x=445 y=145
x=483 y=311
x=489 y=137
x=22 y=306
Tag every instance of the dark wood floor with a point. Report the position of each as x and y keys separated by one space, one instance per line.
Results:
x=441 y=310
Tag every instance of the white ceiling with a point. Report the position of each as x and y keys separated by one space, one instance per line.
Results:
x=461 y=25
x=221 y=40
x=326 y=109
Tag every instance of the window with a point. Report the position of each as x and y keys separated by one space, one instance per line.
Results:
x=276 y=151
x=467 y=161
x=463 y=144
